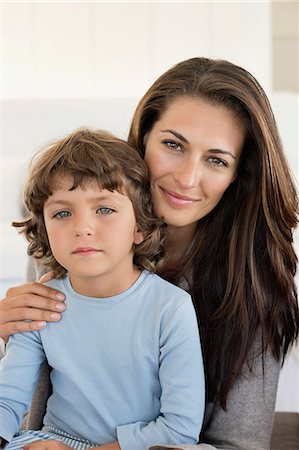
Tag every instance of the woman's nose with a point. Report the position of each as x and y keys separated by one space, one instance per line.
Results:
x=188 y=173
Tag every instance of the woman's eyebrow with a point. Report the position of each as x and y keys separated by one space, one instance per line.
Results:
x=177 y=135
x=183 y=139
x=223 y=152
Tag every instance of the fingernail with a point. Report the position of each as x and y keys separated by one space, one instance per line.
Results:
x=60 y=296
x=41 y=324
x=55 y=316
x=60 y=306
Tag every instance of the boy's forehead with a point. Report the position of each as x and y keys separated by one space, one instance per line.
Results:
x=67 y=182
x=61 y=181
x=61 y=185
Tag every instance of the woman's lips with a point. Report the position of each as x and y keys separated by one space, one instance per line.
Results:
x=178 y=199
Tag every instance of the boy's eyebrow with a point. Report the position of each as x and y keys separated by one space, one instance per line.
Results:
x=93 y=199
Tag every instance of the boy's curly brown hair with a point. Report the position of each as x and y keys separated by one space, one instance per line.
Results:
x=87 y=155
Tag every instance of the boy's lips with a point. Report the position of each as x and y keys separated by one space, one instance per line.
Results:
x=178 y=199
x=86 y=251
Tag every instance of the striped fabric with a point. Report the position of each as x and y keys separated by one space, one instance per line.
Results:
x=47 y=433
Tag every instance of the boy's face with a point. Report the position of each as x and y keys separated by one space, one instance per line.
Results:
x=91 y=234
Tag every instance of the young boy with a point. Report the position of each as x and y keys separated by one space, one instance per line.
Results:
x=126 y=359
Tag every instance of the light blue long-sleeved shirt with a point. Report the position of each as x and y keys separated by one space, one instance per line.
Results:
x=126 y=368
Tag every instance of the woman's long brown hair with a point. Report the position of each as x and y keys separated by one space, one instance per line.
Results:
x=242 y=258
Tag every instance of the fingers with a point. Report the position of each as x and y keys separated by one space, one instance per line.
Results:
x=11 y=323
x=45 y=311
x=34 y=288
x=46 y=445
x=46 y=277
x=31 y=302
x=9 y=328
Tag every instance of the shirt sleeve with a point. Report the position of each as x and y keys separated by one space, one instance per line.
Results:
x=181 y=377
x=247 y=423
x=19 y=371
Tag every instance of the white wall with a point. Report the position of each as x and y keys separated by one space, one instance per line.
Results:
x=96 y=49
x=68 y=64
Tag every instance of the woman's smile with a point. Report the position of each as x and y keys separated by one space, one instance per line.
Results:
x=176 y=199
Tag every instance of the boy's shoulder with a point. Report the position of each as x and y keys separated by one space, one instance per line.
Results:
x=165 y=298
x=160 y=283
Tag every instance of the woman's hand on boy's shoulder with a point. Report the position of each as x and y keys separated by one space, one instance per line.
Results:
x=29 y=307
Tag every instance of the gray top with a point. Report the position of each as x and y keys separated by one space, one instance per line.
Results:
x=247 y=423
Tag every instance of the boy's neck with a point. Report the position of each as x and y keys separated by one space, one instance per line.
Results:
x=104 y=286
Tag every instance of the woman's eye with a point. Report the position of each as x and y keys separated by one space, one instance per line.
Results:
x=62 y=214
x=173 y=145
x=105 y=210
x=218 y=161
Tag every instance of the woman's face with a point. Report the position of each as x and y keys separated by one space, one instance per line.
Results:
x=192 y=154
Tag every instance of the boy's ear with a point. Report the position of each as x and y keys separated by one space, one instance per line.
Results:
x=138 y=236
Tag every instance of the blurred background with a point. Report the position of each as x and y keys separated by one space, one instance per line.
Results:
x=70 y=64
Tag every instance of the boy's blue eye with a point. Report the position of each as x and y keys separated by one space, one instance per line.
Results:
x=62 y=214
x=105 y=210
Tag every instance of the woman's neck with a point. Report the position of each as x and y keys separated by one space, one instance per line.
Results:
x=179 y=240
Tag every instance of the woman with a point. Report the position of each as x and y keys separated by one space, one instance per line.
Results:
x=221 y=183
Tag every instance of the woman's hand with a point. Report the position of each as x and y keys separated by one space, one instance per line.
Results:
x=57 y=445
x=112 y=446
x=47 y=445
x=32 y=301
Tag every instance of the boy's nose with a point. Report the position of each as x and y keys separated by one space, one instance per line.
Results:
x=83 y=228
x=84 y=233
